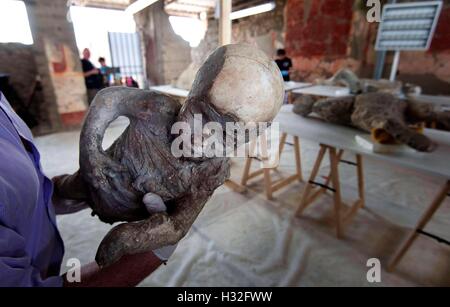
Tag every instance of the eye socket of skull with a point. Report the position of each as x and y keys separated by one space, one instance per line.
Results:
x=241 y=81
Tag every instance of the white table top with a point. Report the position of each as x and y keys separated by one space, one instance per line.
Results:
x=170 y=90
x=324 y=90
x=292 y=85
x=436 y=163
x=173 y=91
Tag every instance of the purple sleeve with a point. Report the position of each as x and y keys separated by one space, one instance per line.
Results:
x=16 y=269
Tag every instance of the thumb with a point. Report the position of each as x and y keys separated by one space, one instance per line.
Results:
x=154 y=203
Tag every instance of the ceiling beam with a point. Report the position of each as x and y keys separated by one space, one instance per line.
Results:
x=225 y=22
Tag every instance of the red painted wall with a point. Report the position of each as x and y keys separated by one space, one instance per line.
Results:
x=441 y=39
x=322 y=36
x=318 y=27
x=317 y=37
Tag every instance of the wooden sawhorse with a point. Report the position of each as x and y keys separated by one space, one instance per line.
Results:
x=272 y=186
x=234 y=186
x=419 y=228
x=314 y=189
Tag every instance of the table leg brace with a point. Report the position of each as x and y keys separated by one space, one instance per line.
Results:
x=427 y=215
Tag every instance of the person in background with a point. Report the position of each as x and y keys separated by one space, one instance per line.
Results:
x=130 y=82
x=105 y=70
x=92 y=75
x=103 y=67
x=284 y=64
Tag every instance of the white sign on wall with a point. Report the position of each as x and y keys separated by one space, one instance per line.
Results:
x=408 y=26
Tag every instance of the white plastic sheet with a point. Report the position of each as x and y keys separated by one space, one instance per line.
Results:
x=244 y=240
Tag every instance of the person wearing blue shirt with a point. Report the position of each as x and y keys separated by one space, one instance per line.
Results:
x=284 y=64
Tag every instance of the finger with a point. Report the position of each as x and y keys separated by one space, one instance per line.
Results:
x=154 y=203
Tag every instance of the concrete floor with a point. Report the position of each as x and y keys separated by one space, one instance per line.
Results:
x=245 y=240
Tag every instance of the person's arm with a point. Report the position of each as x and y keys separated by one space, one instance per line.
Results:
x=88 y=68
x=290 y=66
x=91 y=72
x=129 y=271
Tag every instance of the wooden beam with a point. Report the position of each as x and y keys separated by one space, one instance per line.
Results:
x=225 y=22
x=427 y=215
x=271 y=186
x=334 y=166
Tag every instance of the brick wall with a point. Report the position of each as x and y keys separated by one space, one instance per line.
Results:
x=266 y=30
x=164 y=49
x=58 y=64
x=323 y=36
x=17 y=60
x=54 y=58
x=318 y=27
x=318 y=35
x=441 y=39
x=166 y=54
